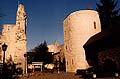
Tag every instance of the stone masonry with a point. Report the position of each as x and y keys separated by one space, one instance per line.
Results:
x=78 y=27
x=57 y=50
x=14 y=35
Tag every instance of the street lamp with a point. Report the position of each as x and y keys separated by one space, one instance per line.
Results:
x=4 y=48
x=59 y=64
x=25 y=55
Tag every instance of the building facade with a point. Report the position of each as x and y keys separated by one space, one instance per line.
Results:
x=14 y=35
x=78 y=27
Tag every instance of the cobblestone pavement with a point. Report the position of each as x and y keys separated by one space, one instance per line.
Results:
x=61 y=75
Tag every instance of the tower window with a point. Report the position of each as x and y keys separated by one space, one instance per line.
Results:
x=67 y=62
x=94 y=25
x=8 y=28
x=66 y=47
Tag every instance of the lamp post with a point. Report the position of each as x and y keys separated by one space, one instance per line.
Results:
x=4 y=48
x=25 y=55
x=59 y=64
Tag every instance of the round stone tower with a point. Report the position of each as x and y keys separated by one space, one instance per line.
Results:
x=78 y=27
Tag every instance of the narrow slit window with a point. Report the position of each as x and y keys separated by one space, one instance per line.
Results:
x=67 y=62
x=94 y=25
x=66 y=47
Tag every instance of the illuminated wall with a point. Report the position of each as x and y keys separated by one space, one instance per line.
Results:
x=78 y=27
x=14 y=35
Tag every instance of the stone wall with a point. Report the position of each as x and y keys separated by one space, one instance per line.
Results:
x=55 y=48
x=8 y=37
x=14 y=35
x=20 y=34
x=79 y=26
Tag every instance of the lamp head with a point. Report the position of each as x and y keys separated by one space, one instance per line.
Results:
x=4 y=47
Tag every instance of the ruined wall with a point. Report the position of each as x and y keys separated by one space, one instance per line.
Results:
x=0 y=47
x=20 y=43
x=8 y=37
x=14 y=35
x=55 y=49
x=79 y=26
x=50 y=47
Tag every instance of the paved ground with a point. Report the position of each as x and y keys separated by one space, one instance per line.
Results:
x=54 y=76
x=61 y=75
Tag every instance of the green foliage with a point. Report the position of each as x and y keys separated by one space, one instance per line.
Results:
x=108 y=13
x=41 y=54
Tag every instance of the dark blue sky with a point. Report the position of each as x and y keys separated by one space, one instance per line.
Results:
x=45 y=17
